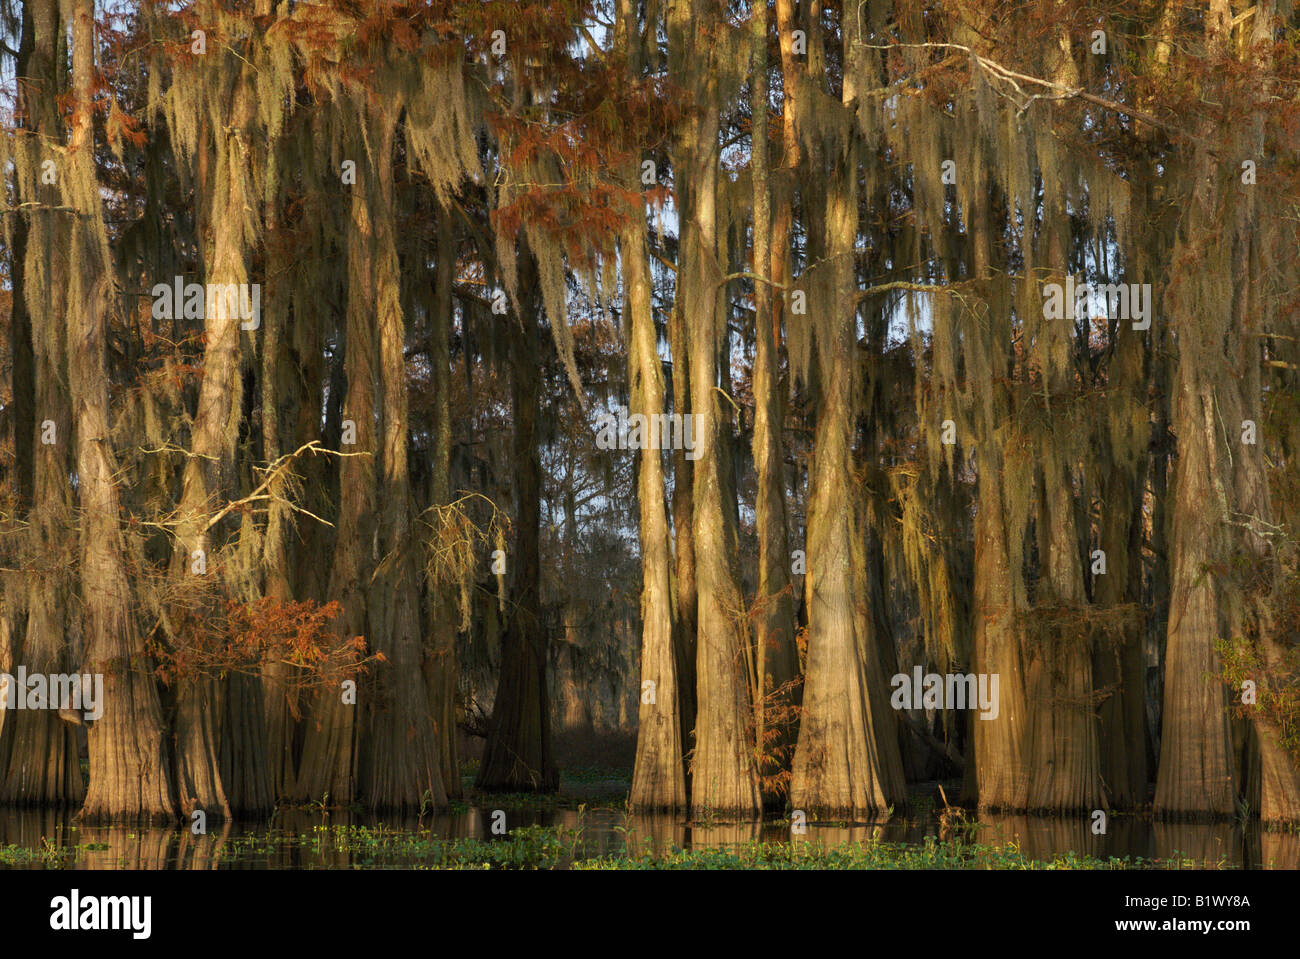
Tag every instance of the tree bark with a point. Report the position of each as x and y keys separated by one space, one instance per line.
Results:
x=776 y=659
x=658 y=776
x=518 y=756
x=837 y=766
x=402 y=749
x=38 y=750
x=442 y=674
x=129 y=774
x=724 y=779
x=1196 y=776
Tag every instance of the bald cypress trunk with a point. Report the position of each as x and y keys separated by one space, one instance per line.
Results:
x=329 y=763
x=776 y=659
x=442 y=674
x=38 y=748
x=1119 y=661
x=998 y=596
x=724 y=778
x=280 y=399
x=1196 y=777
x=659 y=776
x=129 y=771
x=402 y=753
x=37 y=80
x=1279 y=773
x=837 y=765
x=518 y=757
x=658 y=781
x=210 y=476
x=1063 y=763
x=879 y=653
x=682 y=507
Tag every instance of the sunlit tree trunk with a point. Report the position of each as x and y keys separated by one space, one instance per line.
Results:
x=1003 y=783
x=724 y=779
x=837 y=765
x=658 y=777
x=129 y=772
x=210 y=470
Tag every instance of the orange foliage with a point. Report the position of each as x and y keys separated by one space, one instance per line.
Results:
x=250 y=636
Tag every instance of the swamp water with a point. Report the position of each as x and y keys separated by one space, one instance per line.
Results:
x=299 y=838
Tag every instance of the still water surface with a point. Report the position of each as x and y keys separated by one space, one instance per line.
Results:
x=294 y=840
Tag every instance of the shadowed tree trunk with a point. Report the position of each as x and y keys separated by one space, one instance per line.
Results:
x=1196 y=767
x=38 y=748
x=876 y=640
x=775 y=656
x=402 y=750
x=37 y=81
x=281 y=399
x=1063 y=763
x=1279 y=775
x=518 y=755
x=442 y=675
x=329 y=755
x=1119 y=661
x=683 y=510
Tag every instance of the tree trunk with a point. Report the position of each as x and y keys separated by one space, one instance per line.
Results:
x=129 y=775
x=724 y=779
x=837 y=766
x=1000 y=744
x=442 y=675
x=329 y=755
x=1196 y=778
x=38 y=749
x=776 y=659
x=210 y=470
x=1279 y=800
x=683 y=511
x=518 y=754
x=402 y=749
x=658 y=776
x=1119 y=661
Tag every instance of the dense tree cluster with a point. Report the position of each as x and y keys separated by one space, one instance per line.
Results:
x=954 y=338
